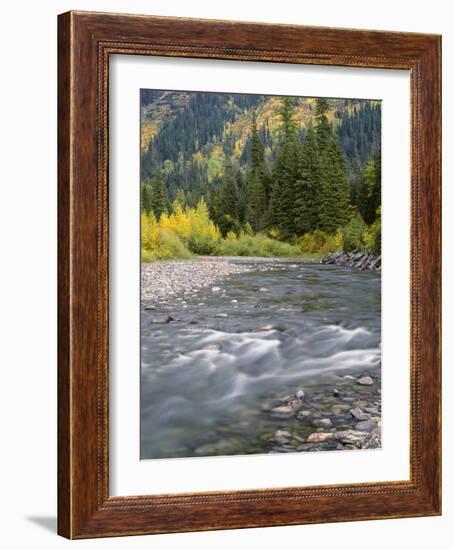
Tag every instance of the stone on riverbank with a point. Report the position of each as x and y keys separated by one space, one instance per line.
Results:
x=359 y=259
x=358 y=414
x=319 y=437
x=365 y=381
x=286 y=411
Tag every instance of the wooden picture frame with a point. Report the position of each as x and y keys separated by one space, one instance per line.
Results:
x=85 y=42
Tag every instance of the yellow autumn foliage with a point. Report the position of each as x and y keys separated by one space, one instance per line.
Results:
x=179 y=234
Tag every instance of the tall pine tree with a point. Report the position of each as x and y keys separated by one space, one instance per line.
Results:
x=159 y=199
x=371 y=196
x=285 y=172
x=257 y=182
x=306 y=204
x=146 y=197
x=228 y=199
x=333 y=192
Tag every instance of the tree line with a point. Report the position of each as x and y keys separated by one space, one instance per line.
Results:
x=306 y=188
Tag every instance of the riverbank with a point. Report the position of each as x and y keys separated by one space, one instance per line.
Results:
x=364 y=261
x=166 y=280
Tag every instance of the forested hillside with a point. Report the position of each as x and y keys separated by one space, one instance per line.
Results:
x=300 y=170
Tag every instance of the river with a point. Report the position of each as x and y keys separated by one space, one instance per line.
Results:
x=222 y=358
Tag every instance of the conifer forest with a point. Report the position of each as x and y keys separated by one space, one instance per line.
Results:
x=248 y=170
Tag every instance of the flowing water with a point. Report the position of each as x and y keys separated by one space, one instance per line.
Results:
x=207 y=382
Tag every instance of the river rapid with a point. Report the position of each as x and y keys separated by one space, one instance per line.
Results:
x=216 y=363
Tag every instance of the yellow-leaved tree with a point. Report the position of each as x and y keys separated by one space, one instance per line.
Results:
x=204 y=234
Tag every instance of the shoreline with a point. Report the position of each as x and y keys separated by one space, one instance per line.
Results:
x=162 y=280
x=363 y=261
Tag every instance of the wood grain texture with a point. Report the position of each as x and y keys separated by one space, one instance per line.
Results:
x=86 y=40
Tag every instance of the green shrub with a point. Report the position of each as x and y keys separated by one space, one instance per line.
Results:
x=307 y=243
x=330 y=245
x=320 y=238
x=372 y=237
x=168 y=246
x=353 y=234
x=257 y=245
x=320 y=242
x=171 y=246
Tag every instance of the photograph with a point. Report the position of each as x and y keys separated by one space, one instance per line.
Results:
x=260 y=274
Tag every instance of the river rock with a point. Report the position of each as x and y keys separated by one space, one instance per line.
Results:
x=374 y=442
x=282 y=433
x=286 y=411
x=300 y=394
x=358 y=414
x=352 y=437
x=281 y=437
x=319 y=437
x=283 y=449
x=305 y=447
x=286 y=399
x=164 y=320
x=366 y=426
x=221 y=315
x=365 y=381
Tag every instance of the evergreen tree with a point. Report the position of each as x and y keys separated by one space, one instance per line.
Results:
x=357 y=186
x=228 y=195
x=286 y=112
x=333 y=191
x=159 y=200
x=285 y=173
x=257 y=203
x=306 y=207
x=334 y=203
x=146 y=198
x=323 y=128
x=258 y=182
x=181 y=198
x=242 y=198
x=371 y=196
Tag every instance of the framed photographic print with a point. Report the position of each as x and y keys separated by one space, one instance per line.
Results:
x=249 y=275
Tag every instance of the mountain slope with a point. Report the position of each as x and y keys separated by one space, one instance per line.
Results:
x=188 y=135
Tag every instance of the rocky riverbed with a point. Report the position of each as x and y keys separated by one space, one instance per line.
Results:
x=249 y=355
x=330 y=417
